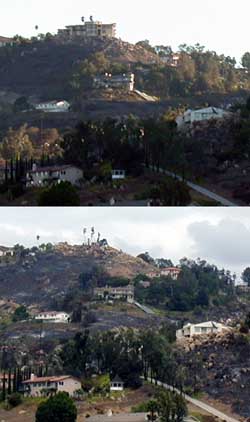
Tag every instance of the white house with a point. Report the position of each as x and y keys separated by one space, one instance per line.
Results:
x=173 y=272
x=210 y=327
x=125 y=81
x=40 y=386
x=56 y=317
x=190 y=116
x=116 y=293
x=53 y=106
x=118 y=174
x=43 y=176
x=117 y=384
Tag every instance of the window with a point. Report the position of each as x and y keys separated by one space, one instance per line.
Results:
x=61 y=383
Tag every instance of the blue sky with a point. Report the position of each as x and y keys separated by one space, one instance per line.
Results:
x=219 y=235
x=221 y=25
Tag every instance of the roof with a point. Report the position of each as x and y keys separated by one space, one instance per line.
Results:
x=49 y=379
x=53 y=168
x=52 y=313
x=117 y=379
x=171 y=269
x=6 y=375
x=56 y=102
x=5 y=249
x=6 y=39
x=208 y=324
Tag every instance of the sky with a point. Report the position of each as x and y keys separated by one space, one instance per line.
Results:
x=219 y=235
x=221 y=26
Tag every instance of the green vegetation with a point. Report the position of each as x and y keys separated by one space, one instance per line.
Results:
x=61 y=194
x=199 y=285
x=57 y=409
x=20 y=314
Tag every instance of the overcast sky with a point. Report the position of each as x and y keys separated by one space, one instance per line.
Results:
x=219 y=235
x=220 y=25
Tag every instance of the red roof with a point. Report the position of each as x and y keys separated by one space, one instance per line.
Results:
x=47 y=379
x=52 y=168
x=6 y=39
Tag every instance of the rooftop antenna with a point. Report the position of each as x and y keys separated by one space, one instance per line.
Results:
x=84 y=235
x=99 y=237
x=92 y=234
x=91 y=18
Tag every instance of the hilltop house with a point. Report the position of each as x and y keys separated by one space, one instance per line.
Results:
x=53 y=106
x=6 y=251
x=125 y=81
x=56 y=317
x=88 y=29
x=40 y=386
x=5 y=41
x=210 y=327
x=116 y=293
x=43 y=176
x=191 y=116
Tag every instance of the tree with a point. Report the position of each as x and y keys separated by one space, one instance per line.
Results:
x=21 y=104
x=246 y=276
x=20 y=314
x=61 y=194
x=152 y=407
x=246 y=60
x=59 y=408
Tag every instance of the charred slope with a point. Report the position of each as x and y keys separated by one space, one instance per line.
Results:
x=37 y=279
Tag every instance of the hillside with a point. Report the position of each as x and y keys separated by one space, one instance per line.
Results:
x=225 y=380
x=43 y=69
x=37 y=278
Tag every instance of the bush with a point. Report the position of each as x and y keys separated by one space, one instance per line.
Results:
x=14 y=399
x=60 y=408
x=61 y=194
x=20 y=314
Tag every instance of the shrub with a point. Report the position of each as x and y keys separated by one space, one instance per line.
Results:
x=60 y=408
x=14 y=399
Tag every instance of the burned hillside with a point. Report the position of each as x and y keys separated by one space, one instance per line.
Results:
x=38 y=277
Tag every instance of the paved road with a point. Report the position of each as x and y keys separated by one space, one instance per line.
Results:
x=144 y=308
x=202 y=405
x=209 y=194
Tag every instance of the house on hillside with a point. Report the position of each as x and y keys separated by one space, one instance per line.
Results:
x=53 y=106
x=124 y=82
x=43 y=176
x=5 y=41
x=56 y=317
x=191 y=116
x=172 y=272
x=116 y=293
x=5 y=377
x=88 y=29
x=204 y=328
x=118 y=174
x=40 y=386
x=116 y=384
x=4 y=251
